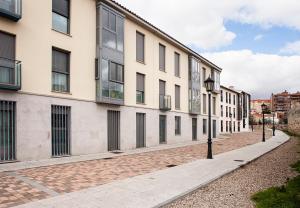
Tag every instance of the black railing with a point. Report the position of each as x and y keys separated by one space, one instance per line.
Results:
x=165 y=102
x=10 y=74
x=11 y=9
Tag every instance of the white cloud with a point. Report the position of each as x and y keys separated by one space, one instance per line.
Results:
x=291 y=48
x=258 y=37
x=201 y=22
x=260 y=74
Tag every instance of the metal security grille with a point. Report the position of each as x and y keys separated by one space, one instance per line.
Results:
x=113 y=128
x=7 y=131
x=60 y=121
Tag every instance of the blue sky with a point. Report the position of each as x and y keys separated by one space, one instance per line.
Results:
x=271 y=41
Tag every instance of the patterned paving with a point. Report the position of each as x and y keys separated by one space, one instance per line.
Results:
x=76 y=176
x=14 y=192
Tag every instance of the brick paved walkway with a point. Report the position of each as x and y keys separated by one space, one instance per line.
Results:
x=80 y=175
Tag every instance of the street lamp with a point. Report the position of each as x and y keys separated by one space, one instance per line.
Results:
x=230 y=116
x=273 y=114
x=263 y=109
x=209 y=85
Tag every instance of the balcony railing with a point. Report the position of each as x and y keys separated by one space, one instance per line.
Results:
x=10 y=74
x=165 y=102
x=11 y=9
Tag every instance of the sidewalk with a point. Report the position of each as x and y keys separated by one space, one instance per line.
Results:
x=80 y=158
x=160 y=187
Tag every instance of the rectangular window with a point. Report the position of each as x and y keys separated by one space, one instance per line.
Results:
x=177 y=96
x=226 y=111
x=204 y=126
x=177 y=125
x=226 y=97
x=7 y=130
x=221 y=95
x=140 y=88
x=177 y=64
x=233 y=99
x=162 y=57
x=230 y=111
x=204 y=76
x=140 y=47
x=60 y=130
x=60 y=70
x=116 y=81
x=214 y=106
x=229 y=96
x=204 y=103
x=221 y=110
x=226 y=126
x=233 y=112
x=112 y=30
x=61 y=15
x=221 y=126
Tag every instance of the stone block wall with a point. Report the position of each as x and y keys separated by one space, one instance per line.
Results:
x=294 y=120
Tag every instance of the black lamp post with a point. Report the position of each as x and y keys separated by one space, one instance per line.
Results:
x=230 y=116
x=209 y=85
x=273 y=114
x=263 y=109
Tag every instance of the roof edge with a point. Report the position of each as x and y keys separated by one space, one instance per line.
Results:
x=134 y=17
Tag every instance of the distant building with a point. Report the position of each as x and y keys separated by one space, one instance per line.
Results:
x=295 y=100
x=235 y=110
x=281 y=102
x=256 y=111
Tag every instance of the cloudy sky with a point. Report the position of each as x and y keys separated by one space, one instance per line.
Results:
x=256 y=42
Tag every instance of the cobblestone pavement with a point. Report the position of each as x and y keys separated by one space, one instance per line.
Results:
x=76 y=176
x=234 y=190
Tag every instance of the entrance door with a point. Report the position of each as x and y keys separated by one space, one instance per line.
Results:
x=214 y=128
x=194 y=129
x=140 y=130
x=113 y=130
x=162 y=129
x=7 y=131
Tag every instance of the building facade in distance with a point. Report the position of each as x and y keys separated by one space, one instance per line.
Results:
x=235 y=110
x=83 y=77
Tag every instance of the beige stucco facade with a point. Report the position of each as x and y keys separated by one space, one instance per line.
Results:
x=35 y=39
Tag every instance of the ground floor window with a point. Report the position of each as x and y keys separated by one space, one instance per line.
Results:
x=60 y=129
x=7 y=130
x=177 y=125
x=221 y=126
x=204 y=126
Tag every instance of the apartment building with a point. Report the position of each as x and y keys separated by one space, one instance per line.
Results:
x=87 y=76
x=234 y=110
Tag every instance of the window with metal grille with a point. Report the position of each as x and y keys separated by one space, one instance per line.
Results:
x=177 y=125
x=7 y=130
x=204 y=126
x=60 y=121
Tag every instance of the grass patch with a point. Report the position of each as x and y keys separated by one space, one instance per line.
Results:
x=287 y=196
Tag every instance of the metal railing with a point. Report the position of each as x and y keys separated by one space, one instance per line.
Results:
x=165 y=102
x=11 y=9
x=10 y=74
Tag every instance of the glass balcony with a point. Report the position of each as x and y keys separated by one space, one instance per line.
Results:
x=10 y=74
x=11 y=9
x=165 y=102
